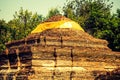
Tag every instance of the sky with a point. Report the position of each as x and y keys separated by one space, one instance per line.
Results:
x=8 y=7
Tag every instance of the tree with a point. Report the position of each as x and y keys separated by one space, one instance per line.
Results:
x=87 y=12
x=116 y=30
x=4 y=34
x=118 y=13
x=111 y=32
x=23 y=23
x=77 y=10
x=53 y=12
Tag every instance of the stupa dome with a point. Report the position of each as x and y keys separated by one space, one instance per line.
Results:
x=57 y=22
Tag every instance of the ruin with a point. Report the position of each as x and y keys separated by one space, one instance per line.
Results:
x=57 y=54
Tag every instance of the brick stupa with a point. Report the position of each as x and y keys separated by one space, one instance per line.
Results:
x=59 y=51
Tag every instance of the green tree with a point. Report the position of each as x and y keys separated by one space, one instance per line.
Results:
x=118 y=13
x=87 y=12
x=77 y=10
x=52 y=12
x=116 y=30
x=23 y=23
x=4 y=34
x=111 y=32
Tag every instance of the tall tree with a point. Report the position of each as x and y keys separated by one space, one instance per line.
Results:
x=4 y=34
x=116 y=30
x=86 y=12
x=23 y=23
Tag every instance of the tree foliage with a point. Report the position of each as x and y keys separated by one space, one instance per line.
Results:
x=87 y=11
x=4 y=34
x=52 y=12
x=23 y=23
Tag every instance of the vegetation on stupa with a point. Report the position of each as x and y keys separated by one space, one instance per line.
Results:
x=95 y=16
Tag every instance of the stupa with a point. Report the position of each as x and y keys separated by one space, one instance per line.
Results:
x=57 y=49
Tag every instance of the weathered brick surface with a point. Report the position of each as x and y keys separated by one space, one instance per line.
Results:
x=57 y=54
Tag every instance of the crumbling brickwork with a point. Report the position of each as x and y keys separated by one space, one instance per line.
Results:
x=57 y=54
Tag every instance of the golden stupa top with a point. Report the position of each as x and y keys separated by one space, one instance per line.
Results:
x=57 y=22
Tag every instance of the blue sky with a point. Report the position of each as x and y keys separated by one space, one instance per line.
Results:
x=8 y=7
